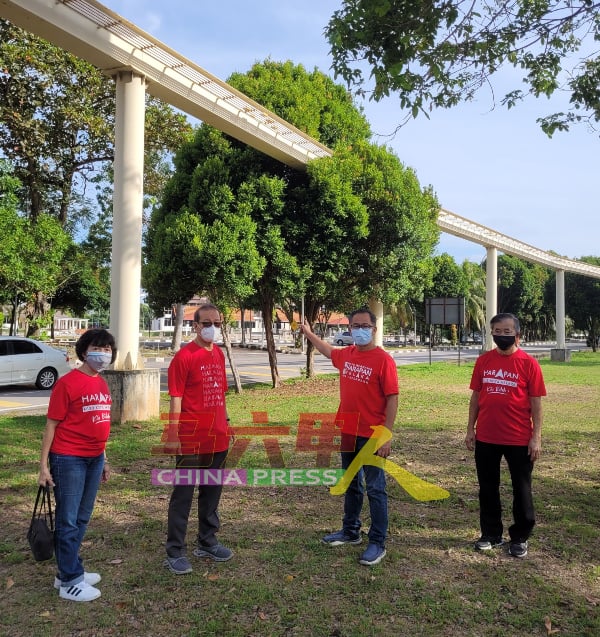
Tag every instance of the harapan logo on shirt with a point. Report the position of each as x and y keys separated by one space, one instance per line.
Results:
x=359 y=373
x=499 y=378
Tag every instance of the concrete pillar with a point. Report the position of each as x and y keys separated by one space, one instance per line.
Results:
x=126 y=270
x=491 y=294
x=377 y=308
x=135 y=394
x=561 y=353
x=560 y=309
x=135 y=391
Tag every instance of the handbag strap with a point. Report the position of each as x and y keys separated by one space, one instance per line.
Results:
x=37 y=501
x=45 y=506
x=49 y=505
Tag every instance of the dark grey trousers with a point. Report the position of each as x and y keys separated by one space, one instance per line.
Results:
x=181 y=504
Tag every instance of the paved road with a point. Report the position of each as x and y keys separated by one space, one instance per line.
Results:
x=253 y=367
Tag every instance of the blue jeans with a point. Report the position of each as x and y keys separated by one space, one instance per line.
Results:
x=76 y=482
x=374 y=480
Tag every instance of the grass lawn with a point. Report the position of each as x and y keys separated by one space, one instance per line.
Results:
x=282 y=581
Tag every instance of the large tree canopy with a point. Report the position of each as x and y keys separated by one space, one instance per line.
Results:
x=57 y=131
x=350 y=227
x=57 y=127
x=438 y=53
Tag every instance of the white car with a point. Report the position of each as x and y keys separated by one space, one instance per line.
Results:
x=24 y=361
x=342 y=338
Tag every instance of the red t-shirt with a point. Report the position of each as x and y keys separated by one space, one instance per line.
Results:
x=198 y=377
x=81 y=404
x=505 y=385
x=366 y=380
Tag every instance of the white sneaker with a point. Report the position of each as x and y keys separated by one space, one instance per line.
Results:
x=81 y=592
x=89 y=578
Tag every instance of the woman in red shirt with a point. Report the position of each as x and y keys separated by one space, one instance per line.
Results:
x=73 y=459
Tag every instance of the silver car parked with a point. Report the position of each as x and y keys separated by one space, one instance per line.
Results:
x=342 y=338
x=24 y=361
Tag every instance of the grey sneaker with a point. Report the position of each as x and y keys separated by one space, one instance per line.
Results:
x=218 y=552
x=518 y=549
x=341 y=537
x=486 y=543
x=178 y=565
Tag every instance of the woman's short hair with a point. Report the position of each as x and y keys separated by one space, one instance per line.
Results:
x=98 y=337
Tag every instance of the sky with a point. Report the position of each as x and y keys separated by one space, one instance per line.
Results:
x=491 y=165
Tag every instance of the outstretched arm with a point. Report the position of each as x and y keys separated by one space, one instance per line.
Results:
x=319 y=343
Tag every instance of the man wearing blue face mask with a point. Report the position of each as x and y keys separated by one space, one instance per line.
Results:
x=368 y=397
x=197 y=386
x=505 y=419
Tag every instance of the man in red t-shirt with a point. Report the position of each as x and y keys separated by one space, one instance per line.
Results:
x=368 y=397
x=505 y=419
x=197 y=384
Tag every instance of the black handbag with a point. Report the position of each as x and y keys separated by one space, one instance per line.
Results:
x=41 y=530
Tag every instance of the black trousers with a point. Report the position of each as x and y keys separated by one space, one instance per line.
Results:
x=487 y=460
x=180 y=505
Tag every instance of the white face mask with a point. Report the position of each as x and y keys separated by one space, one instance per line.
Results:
x=98 y=361
x=208 y=333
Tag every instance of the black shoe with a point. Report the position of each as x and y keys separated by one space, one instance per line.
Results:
x=518 y=549
x=487 y=543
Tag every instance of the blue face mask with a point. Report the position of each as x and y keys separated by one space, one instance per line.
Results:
x=362 y=336
x=98 y=361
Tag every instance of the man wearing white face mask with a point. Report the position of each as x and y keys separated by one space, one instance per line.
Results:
x=368 y=397
x=197 y=385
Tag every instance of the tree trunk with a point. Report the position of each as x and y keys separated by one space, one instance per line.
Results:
x=176 y=340
x=35 y=313
x=242 y=314
x=237 y=381
x=310 y=359
x=14 y=318
x=311 y=310
x=267 y=311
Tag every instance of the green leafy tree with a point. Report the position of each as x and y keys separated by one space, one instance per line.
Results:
x=201 y=240
x=81 y=285
x=448 y=280
x=358 y=223
x=31 y=255
x=56 y=120
x=57 y=130
x=521 y=290
x=349 y=227
x=475 y=296
x=57 y=127
x=437 y=54
x=582 y=300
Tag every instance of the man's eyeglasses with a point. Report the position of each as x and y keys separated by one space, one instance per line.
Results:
x=364 y=326
x=209 y=323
